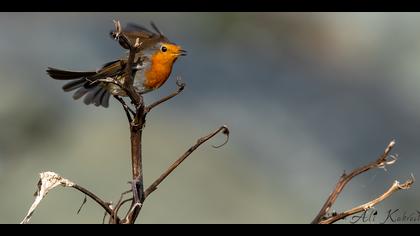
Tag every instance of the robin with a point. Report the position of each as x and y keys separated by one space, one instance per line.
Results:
x=153 y=65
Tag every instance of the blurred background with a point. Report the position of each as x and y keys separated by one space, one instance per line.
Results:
x=306 y=96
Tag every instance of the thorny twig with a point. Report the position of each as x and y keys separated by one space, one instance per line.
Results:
x=381 y=162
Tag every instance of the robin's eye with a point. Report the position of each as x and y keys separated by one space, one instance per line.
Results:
x=163 y=49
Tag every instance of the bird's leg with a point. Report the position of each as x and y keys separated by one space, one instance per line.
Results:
x=127 y=109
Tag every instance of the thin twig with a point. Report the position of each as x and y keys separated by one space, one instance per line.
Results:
x=104 y=205
x=104 y=218
x=345 y=178
x=117 y=207
x=171 y=168
x=126 y=108
x=83 y=203
x=395 y=187
x=180 y=88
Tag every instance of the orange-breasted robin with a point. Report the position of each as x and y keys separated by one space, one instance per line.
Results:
x=151 y=68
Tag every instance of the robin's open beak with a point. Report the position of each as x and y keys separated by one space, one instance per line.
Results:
x=182 y=52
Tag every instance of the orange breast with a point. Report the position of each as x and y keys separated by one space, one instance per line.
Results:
x=158 y=73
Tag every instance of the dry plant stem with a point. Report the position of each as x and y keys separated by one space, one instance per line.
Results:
x=180 y=85
x=171 y=168
x=345 y=178
x=395 y=187
x=126 y=108
x=136 y=126
x=136 y=120
x=94 y=197
x=50 y=180
x=136 y=130
x=113 y=220
x=114 y=216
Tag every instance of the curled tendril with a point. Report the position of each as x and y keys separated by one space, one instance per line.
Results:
x=225 y=131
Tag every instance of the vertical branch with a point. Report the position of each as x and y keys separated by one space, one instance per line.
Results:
x=136 y=127
x=136 y=155
x=136 y=130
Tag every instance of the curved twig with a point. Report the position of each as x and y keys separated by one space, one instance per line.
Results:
x=102 y=203
x=225 y=132
x=224 y=129
x=180 y=87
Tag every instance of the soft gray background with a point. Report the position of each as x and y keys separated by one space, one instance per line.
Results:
x=306 y=95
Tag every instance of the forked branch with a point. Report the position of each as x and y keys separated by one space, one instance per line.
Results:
x=394 y=187
x=381 y=162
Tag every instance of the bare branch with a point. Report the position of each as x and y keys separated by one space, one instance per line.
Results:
x=180 y=87
x=225 y=132
x=117 y=208
x=126 y=109
x=136 y=124
x=381 y=162
x=113 y=218
x=224 y=129
x=48 y=181
x=104 y=218
x=395 y=187
x=102 y=203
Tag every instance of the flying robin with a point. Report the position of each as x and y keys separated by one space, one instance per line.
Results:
x=153 y=65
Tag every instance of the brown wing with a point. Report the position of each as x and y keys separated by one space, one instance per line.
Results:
x=146 y=37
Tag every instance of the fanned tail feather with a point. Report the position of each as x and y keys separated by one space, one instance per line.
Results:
x=85 y=84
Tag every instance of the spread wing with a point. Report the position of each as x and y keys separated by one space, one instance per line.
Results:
x=146 y=36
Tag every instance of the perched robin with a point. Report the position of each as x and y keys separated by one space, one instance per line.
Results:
x=151 y=68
